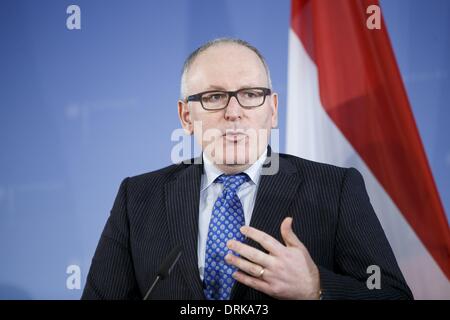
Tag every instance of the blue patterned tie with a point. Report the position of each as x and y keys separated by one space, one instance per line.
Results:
x=226 y=220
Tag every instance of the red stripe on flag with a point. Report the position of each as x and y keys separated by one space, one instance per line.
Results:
x=363 y=93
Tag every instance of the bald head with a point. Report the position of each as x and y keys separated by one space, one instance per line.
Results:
x=240 y=47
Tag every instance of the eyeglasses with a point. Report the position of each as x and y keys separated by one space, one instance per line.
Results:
x=247 y=98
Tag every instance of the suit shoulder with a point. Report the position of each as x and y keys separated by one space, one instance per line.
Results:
x=319 y=171
x=327 y=177
x=302 y=163
x=156 y=178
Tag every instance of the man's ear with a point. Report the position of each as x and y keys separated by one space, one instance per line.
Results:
x=274 y=105
x=185 y=117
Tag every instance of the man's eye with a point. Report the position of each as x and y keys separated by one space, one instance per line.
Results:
x=214 y=97
x=251 y=94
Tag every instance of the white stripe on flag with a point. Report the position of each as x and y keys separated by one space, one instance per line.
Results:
x=312 y=134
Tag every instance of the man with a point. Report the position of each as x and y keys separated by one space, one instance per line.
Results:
x=304 y=230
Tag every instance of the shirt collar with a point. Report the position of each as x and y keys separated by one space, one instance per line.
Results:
x=212 y=172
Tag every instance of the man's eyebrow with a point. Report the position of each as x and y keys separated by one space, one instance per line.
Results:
x=217 y=87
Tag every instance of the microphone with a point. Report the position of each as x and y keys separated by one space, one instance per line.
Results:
x=166 y=268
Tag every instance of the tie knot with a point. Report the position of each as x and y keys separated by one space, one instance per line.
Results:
x=232 y=182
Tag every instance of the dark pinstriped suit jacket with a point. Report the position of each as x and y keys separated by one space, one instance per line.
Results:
x=332 y=216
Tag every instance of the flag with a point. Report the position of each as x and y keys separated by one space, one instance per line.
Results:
x=347 y=106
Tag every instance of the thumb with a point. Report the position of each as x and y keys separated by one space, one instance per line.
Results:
x=289 y=237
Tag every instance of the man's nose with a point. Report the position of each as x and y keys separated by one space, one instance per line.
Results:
x=233 y=111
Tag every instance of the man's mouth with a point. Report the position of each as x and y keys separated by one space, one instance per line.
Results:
x=234 y=135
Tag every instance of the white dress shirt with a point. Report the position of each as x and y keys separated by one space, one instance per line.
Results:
x=210 y=191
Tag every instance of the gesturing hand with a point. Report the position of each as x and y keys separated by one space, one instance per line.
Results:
x=286 y=272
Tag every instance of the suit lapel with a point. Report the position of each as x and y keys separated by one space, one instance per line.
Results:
x=274 y=197
x=182 y=203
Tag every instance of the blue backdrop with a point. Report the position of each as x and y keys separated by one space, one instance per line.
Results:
x=82 y=109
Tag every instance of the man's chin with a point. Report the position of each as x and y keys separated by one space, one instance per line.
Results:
x=232 y=158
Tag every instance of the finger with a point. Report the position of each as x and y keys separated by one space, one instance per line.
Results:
x=266 y=241
x=244 y=265
x=289 y=237
x=254 y=255
x=252 y=282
